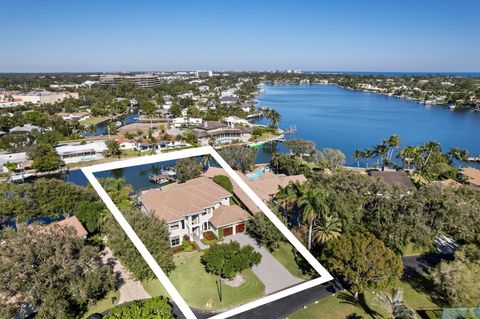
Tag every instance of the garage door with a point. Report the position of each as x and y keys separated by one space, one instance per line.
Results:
x=227 y=231
x=240 y=228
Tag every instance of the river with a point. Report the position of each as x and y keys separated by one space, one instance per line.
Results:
x=345 y=119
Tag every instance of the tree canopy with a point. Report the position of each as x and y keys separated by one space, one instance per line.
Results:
x=55 y=272
x=239 y=157
x=362 y=261
x=227 y=260
x=188 y=168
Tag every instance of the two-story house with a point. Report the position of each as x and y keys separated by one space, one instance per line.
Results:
x=194 y=207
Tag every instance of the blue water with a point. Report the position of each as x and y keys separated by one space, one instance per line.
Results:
x=462 y=74
x=346 y=120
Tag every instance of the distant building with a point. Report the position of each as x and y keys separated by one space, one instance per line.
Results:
x=28 y=128
x=229 y=100
x=14 y=158
x=44 y=97
x=78 y=116
x=203 y=74
x=221 y=133
x=142 y=80
x=234 y=120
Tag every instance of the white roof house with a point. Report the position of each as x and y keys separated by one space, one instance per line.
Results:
x=13 y=158
x=232 y=120
x=74 y=153
x=28 y=128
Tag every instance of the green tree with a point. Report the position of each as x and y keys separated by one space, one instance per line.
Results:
x=456 y=282
x=153 y=308
x=187 y=168
x=273 y=116
x=264 y=232
x=313 y=204
x=227 y=260
x=113 y=149
x=144 y=226
x=358 y=154
x=239 y=157
x=301 y=147
x=330 y=158
x=395 y=304
x=54 y=271
x=44 y=157
x=362 y=262
x=327 y=228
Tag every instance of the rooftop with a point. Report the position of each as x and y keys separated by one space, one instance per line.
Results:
x=473 y=175
x=183 y=199
x=72 y=222
x=397 y=178
x=227 y=215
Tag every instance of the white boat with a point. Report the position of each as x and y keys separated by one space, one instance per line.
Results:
x=452 y=107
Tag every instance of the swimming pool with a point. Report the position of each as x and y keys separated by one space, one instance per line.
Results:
x=256 y=174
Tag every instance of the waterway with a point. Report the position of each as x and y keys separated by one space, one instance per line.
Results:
x=342 y=119
x=347 y=120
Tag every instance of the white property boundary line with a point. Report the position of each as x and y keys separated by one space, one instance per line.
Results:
x=177 y=298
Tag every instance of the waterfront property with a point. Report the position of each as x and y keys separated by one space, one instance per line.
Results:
x=192 y=208
x=74 y=153
x=263 y=182
x=472 y=176
x=221 y=133
x=397 y=178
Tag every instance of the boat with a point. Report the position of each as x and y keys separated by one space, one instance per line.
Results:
x=452 y=107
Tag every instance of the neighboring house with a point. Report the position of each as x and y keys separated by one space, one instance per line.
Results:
x=44 y=97
x=78 y=116
x=126 y=144
x=265 y=184
x=234 y=120
x=221 y=133
x=229 y=100
x=28 y=128
x=15 y=158
x=193 y=208
x=397 y=178
x=183 y=121
x=72 y=222
x=74 y=153
x=472 y=176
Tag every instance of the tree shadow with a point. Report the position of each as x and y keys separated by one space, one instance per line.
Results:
x=361 y=302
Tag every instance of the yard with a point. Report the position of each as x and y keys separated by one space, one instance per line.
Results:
x=199 y=288
x=104 y=304
x=285 y=255
x=94 y=120
x=343 y=305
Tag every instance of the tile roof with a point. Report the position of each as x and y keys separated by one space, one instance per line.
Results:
x=72 y=222
x=228 y=215
x=398 y=178
x=183 y=199
x=473 y=175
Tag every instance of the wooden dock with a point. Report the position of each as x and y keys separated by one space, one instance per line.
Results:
x=165 y=177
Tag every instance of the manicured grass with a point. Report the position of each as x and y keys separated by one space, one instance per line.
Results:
x=412 y=250
x=341 y=305
x=198 y=287
x=94 y=120
x=104 y=304
x=285 y=255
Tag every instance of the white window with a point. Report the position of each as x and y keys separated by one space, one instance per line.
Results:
x=174 y=226
x=206 y=226
x=175 y=241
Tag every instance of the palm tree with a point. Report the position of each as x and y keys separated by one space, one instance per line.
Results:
x=367 y=154
x=381 y=150
x=274 y=117
x=393 y=142
x=409 y=154
x=429 y=148
x=290 y=194
x=313 y=203
x=357 y=154
x=328 y=228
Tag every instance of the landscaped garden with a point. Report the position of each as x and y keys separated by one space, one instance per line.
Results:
x=199 y=288
x=343 y=305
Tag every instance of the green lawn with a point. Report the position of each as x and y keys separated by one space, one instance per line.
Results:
x=413 y=250
x=342 y=305
x=198 y=287
x=94 y=120
x=285 y=255
x=104 y=304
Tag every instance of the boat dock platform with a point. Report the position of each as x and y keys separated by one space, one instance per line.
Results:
x=165 y=177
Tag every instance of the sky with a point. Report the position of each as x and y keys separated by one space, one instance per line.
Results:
x=243 y=35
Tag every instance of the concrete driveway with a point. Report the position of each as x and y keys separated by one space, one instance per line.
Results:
x=271 y=272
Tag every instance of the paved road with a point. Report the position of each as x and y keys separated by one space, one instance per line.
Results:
x=270 y=271
x=281 y=308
